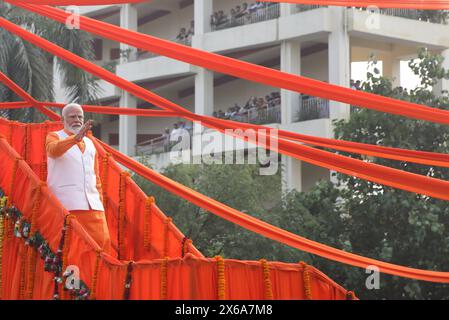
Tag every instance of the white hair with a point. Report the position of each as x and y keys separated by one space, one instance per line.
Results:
x=70 y=106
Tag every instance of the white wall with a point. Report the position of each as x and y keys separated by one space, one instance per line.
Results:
x=167 y=27
x=315 y=66
x=238 y=91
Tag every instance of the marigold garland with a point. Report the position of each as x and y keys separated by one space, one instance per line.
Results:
x=13 y=180
x=31 y=253
x=43 y=170
x=122 y=209
x=9 y=136
x=149 y=201
x=22 y=274
x=221 y=278
x=31 y=270
x=93 y=294
x=2 y=230
x=164 y=274
x=267 y=280
x=104 y=178
x=128 y=281
x=167 y=221
x=186 y=242
x=350 y=295
x=65 y=247
x=306 y=280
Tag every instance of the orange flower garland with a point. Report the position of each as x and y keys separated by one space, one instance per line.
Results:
x=122 y=210
x=13 y=180
x=167 y=221
x=104 y=178
x=2 y=233
x=266 y=280
x=221 y=278
x=306 y=279
x=22 y=274
x=65 y=249
x=164 y=274
x=43 y=172
x=185 y=246
x=350 y=295
x=93 y=294
x=32 y=253
x=147 y=222
x=9 y=137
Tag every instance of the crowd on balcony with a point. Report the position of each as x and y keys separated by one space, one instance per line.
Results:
x=254 y=104
x=240 y=12
x=185 y=34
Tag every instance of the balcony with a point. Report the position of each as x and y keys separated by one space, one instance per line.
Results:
x=270 y=11
x=433 y=16
x=313 y=108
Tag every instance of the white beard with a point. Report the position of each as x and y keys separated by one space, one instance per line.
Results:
x=73 y=130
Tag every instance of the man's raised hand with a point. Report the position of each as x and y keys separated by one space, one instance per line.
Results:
x=84 y=129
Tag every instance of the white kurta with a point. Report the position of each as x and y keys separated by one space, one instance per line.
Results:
x=71 y=177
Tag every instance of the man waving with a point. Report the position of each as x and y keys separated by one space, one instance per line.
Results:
x=73 y=174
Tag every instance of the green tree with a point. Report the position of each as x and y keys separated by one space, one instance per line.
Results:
x=390 y=224
x=32 y=68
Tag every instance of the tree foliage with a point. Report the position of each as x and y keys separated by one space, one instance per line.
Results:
x=32 y=68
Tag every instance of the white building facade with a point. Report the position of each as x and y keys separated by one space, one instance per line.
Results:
x=312 y=41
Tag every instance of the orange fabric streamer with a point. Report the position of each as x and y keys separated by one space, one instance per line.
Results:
x=368 y=171
x=233 y=67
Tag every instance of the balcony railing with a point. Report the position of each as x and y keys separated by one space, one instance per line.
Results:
x=261 y=14
x=158 y=145
x=307 y=7
x=260 y=116
x=141 y=55
x=313 y=108
x=434 y=16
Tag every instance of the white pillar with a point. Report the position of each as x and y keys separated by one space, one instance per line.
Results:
x=443 y=84
x=396 y=72
x=128 y=124
x=204 y=79
x=339 y=59
x=339 y=63
x=128 y=20
x=290 y=63
x=203 y=10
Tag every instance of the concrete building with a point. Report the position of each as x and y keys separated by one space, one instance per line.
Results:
x=312 y=41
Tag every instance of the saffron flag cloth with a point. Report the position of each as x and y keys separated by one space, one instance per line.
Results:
x=148 y=234
x=24 y=275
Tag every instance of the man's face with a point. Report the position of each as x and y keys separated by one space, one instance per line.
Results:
x=74 y=120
